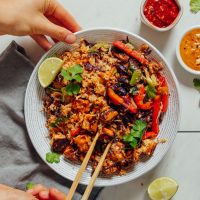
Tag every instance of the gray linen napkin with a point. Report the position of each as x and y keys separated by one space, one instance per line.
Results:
x=19 y=161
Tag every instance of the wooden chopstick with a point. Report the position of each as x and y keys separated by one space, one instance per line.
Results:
x=95 y=174
x=82 y=168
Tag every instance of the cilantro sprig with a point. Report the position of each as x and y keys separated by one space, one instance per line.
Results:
x=72 y=74
x=136 y=134
x=72 y=88
x=195 y=6
x=29 y=186
x=196 y=83
x=52 y=157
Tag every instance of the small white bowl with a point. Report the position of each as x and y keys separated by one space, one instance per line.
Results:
x=182 y=63
x=148 y=23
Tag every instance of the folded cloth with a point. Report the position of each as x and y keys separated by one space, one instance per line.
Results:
x=20 y=163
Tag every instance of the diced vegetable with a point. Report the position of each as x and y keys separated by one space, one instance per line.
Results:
x=139 y=98
x=156 y=114
x=125 y=101
x=135 y=77
x=149 y=135
x=133 y=53
x=76 y=132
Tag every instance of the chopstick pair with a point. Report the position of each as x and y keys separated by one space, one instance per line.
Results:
x=82 y=168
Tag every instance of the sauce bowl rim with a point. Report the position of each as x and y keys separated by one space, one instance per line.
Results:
x=173 y=24
x=178 y=55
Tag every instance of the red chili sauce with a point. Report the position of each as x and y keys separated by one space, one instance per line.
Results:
x=161 y=13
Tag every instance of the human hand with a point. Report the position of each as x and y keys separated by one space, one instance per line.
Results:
x=7 y=193
x=43 y=193
x=37 y=18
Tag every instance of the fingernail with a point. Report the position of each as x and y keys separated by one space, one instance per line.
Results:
x=71 y=38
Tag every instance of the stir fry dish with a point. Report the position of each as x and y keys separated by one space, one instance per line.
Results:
x=116 y=90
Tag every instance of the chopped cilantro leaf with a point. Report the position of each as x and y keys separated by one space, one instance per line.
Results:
x=73 y=73
x=29 y=186
x=195 y=6
x=196 y=82
x=72 y=88
x=136 y=133
x=52 y=157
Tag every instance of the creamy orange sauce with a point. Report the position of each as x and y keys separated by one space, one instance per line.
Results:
x=190 y=49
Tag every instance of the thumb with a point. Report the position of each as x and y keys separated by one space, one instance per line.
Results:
x=46 y=27
x=54 y=194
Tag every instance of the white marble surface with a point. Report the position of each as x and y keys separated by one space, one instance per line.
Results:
x=182 y=161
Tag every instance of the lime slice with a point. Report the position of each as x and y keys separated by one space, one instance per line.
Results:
x=48 y=70
x=163 y=188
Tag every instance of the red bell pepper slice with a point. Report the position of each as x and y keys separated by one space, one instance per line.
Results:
x=156 y=114
x=133 y=53
x=139 y=100
x=165 y=96
x=117 y=100
x=76 y=132
x=149 y=135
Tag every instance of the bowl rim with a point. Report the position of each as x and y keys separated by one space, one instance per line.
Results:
x=152 y=166
x=178 y=55
x=148 y=23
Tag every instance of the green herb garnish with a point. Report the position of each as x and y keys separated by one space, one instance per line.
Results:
x=151 y=91
x=29 y=186
x=72 y=88
x=52 y=157
x=135 y=77
x=136 y=134
x=195 y=6
x=196 y=82
x=53 y=89
x=73 y=73
x=54 y=124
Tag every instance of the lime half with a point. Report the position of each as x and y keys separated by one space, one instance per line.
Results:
x=48 y=70
x=163 y=188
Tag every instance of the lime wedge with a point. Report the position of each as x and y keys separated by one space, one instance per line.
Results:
x=163 y=188
x=48 y=70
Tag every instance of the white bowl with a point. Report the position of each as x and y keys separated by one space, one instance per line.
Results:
x=148 y=23
x=35 y=120
x=182 y=63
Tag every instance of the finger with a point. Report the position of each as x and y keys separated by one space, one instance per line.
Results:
x=44 y=195
x=54 y=194
x=55 y=21
x=45 y=27
x=42 y=41
x=37 y=189
x=63 y=16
